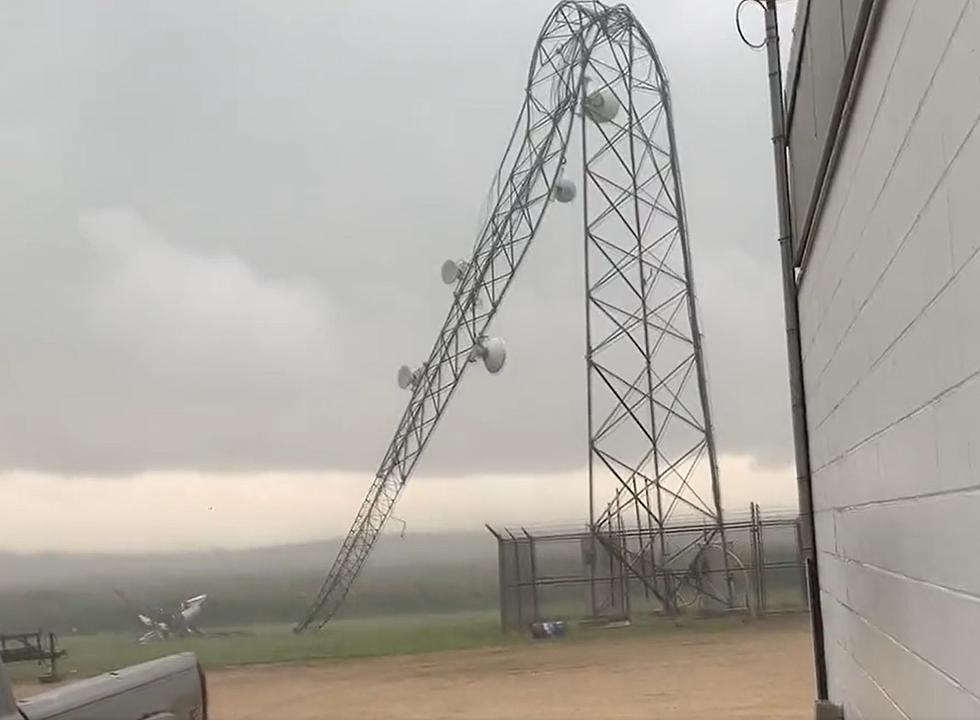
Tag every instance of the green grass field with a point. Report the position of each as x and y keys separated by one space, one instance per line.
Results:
x=435 y=593
x=92 y=654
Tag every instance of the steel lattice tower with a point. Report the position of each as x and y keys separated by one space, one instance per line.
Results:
x=594 y=79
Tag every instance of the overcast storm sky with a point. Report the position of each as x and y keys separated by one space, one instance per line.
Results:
x=223 y=224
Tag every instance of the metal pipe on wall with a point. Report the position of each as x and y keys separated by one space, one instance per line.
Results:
x=801 y=444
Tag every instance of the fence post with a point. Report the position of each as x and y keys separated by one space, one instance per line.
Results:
x=804 y=590
x=763 y=595
x=519 y=585
x=535 y=614
x=754 y=551
x=501 y=578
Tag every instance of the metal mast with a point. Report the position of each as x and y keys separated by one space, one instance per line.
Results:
x=651 y=441
x=647 y=436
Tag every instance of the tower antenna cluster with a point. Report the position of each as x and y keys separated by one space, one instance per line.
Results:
x=595 y=88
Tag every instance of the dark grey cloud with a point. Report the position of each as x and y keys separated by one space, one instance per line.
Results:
x=223 y=223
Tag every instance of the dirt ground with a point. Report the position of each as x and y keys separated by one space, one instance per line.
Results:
x=760 y=672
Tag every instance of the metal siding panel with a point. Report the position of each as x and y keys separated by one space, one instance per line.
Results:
x=804 y=147
x=827 y=45
x=964 y=210
x=918 y=689
x=820 y=71
x=850 y=10
x=829 y=38
x=889 y=536
x=898 y=559
x=796 y=53
x=862 y=697
x=928 y=620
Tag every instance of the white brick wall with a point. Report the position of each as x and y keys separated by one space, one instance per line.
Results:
x=890 y=321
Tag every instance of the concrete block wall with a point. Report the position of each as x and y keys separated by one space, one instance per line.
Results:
x=890 y=321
